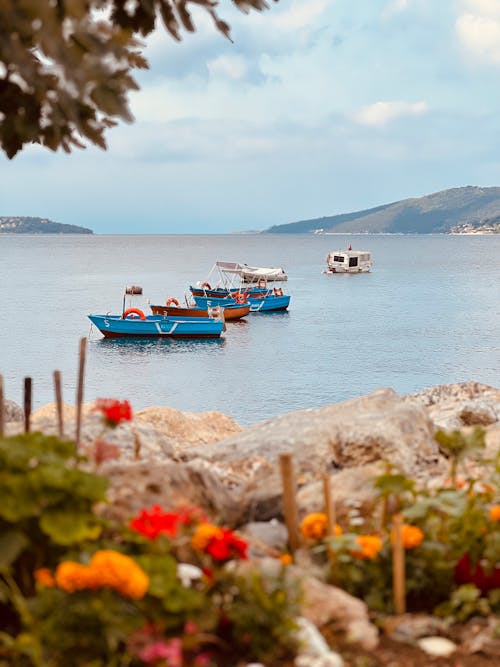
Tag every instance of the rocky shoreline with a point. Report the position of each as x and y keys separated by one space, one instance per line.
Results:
x=171 y=458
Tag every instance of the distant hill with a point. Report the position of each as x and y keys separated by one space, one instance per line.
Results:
x=449 y=211
x=24 y=225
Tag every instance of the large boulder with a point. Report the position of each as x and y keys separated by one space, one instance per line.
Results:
x=189 y=429
x=453 y=406
x=380 y=426
x=138 y=484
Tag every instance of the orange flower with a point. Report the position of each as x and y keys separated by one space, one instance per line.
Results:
x=107 y=569
x=44 y=577
x=370 y=546
x=286 y=559
x=315 y=526
x=495 y=513
x=411 y=536
x=204 y=534
x=112 y=569
x=71 y=577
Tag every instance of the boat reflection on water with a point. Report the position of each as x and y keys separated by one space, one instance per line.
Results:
x=144 y=347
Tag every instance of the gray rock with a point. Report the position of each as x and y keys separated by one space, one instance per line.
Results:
x=480 y=412
x=137 y=484
x=266 y=536
x=12 y=412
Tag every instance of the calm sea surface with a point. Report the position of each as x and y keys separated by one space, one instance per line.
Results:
x=429 y=313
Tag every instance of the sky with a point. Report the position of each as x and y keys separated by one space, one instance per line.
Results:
x=318 y=107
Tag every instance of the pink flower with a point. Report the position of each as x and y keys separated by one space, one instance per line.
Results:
x=170 y=651
x=202 y=660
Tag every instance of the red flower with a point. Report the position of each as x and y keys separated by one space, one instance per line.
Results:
x=227 y=546
x=467 y=572
x=155 y=521
x=114 y=411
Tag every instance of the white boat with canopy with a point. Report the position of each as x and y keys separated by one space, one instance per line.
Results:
x=252 y=274
x=348 y=261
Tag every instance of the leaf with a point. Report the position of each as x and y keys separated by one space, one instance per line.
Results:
x=12 y=543
x=67 y=526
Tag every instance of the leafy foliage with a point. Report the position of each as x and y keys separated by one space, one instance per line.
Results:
x=66 y=66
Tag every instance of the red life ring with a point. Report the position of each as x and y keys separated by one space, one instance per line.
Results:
x=133 y=311
x=278 y=291
x=206 y=285
x=262 y=284
x=172 y=302
x=240 y=298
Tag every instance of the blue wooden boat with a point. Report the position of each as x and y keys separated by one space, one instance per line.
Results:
x=273 y=299
x=133 y=323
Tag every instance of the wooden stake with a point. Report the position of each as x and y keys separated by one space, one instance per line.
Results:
x=58 y=392
x=289 y=501
x=398 y=565
x=329 y=508
x=79 y=390
x=2 y=432
x=28 y=385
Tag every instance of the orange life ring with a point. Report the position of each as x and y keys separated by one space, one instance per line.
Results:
x=206 y=285
x=133 y=311
x=262 y=284
x=240 y=298
x=278 y=291
x=172 y=302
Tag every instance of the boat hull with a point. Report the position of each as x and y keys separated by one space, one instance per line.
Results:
x=264 y=303
x=157 y=326
x=231 y=312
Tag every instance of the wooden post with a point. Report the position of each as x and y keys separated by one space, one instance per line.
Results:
x=289 y=501
x=79 y=390
x=28 y=385
x=2 y=413
x=398 y=565
x=58 y=392
x=329 y=508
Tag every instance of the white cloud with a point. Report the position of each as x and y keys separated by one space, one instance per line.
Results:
x=395 y=7
x=380 y=113
x=478 y=30
x=231 y=67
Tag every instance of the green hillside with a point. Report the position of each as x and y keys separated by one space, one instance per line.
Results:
x=441 y=212
x=27 y=225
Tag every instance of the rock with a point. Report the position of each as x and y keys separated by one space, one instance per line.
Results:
x=326 y=605
x=363 y=430
x=407 y=628
x=480 y=412
x=314 y=651
x=265 y=537
x=437 y=646
x=189 y=429
x=452 y=406
x=135 y=485
x=12 y=412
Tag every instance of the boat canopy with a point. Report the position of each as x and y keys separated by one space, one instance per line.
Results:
x=252 y=272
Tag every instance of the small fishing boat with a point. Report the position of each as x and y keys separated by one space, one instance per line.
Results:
x=134 y=323
x=233 y=310
x=261 y=296
x=348 y=261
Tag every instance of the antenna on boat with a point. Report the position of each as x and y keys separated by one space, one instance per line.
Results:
x=124 y=297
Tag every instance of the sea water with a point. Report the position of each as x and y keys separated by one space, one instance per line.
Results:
x=427 y=314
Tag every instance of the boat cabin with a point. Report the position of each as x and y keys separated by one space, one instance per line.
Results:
x=348 y=261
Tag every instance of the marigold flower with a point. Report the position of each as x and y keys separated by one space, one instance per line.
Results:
x=114 y=411
x=71 y=577
x=315 y=526
x=370 y=546
x=286 y=559
x=411 y=536
x=44 y=577
x=495 y=513
x=115 y=570
x=203 y=534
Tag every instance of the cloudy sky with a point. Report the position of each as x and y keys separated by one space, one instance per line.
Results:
x=318 y=107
